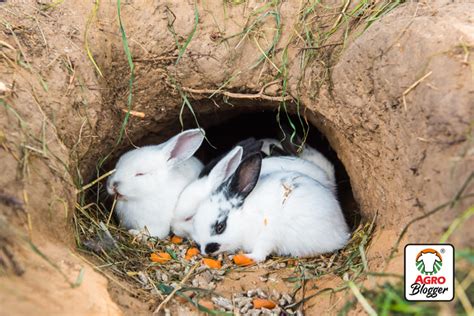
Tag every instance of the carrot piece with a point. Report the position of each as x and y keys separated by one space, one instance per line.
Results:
x=160 y=257
x=206 y=303
x=176 y=239
x=242 y=260
x=211 y=263
x=262 y=303
x=192 y=252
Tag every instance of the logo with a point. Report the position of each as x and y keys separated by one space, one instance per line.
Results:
x=429 y=272
x=429 y=261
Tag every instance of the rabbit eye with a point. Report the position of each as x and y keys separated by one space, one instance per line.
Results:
x=139 y=174
x=220 y=227
x=187 y=219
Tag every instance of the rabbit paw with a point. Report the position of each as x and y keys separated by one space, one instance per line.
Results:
x=257 y=257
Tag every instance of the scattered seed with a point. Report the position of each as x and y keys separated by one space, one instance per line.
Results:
x=223 y=302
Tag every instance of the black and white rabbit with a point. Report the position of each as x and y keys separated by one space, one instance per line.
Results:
x=200 y=189
x=281 y=212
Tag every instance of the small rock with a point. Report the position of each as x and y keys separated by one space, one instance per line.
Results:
x=211 y=286
x=207 y=276
x=275 y=295
x=143 y=278
x=223 y=302
x=246 y=307
x=261 y=294
x=164 y=278
x=243 y=301
x=251 y=293
x=254 y=312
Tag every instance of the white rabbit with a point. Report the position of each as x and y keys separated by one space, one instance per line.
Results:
x=286 y=213
x=314 y=156
x=201 y=188
x=271 y=146
x=148 y=181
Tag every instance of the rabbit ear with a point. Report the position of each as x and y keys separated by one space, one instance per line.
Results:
x=246 y=176
x=182 y=146
x=226 y=166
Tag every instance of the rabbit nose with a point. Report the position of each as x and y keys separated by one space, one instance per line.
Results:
x=212 y=247
x=115 y=184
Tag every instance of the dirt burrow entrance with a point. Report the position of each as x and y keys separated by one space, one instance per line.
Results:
x=395 y=103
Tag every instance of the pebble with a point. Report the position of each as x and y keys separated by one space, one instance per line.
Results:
x=261 y=294
x=276 y=295
x=164 y=277
x=254 y=312
x=142 y=277
x=243 y=301
x=206 y=276
x=251 y=293
x=223 y=302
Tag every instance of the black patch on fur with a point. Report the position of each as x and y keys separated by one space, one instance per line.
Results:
x=220 y=225
x=249 y=146
x=245 y=178
x=212 y=247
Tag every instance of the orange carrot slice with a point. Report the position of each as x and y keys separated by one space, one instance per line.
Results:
x=243 y=260
x=160 y=257
x=262 y=303
x=211 y=263
x=176 y=239
x=192 y=252
x=206 y=303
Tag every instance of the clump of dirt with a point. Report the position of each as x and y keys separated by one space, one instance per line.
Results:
x=392 y=93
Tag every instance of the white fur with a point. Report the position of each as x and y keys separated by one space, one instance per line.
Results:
x=311 y=154
x=150 y=180
x=287 y=213
x=197 y=191
x=201 y=188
